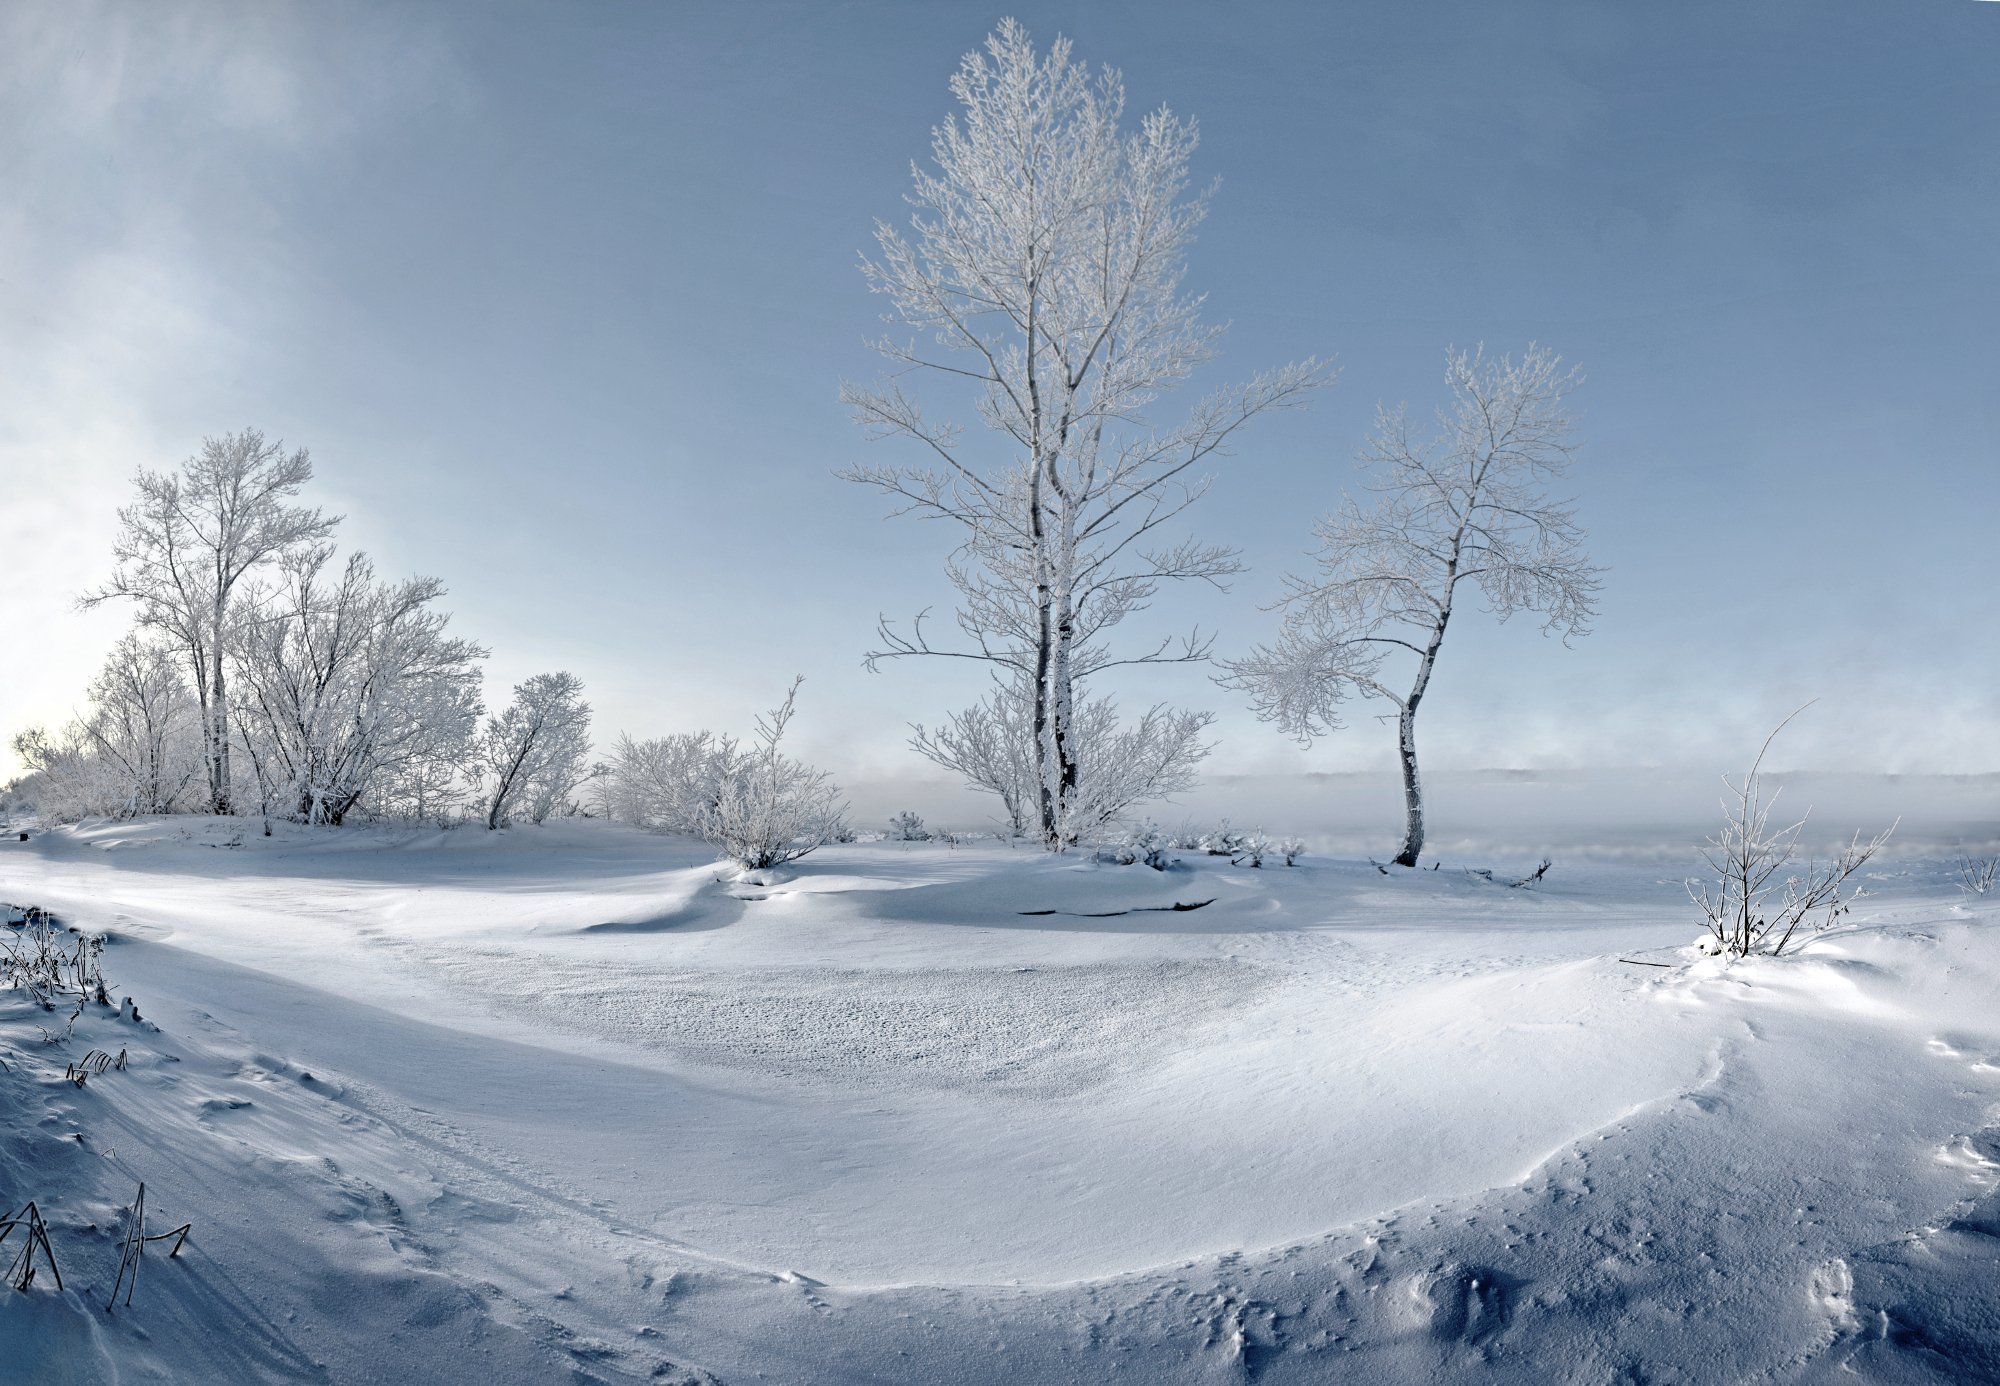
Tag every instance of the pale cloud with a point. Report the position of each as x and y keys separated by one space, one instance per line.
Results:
x=132 y=310
x=276 y=74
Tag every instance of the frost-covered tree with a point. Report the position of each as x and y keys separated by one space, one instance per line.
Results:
x=352 y=682
x=533 y=756
x=670 y=784
x=136 y=748
x=1043 y=266
x=187 y=544
x=992 y=745
x=66 y=779
x=772 y=809
x=144 y=724
x=426 y=788
x=1466 y=504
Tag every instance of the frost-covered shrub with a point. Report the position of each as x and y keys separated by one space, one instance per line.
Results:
x=773 y=809
x=757 y=804
x=1242 y=848
x=1118 y=765
x=1142 y=844
x=360 y=702
x=1220 y=841
x=1758 y=900
x=1976 y=874
x=908 y=827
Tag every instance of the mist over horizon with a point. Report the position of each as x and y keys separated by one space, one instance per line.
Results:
x=1478 y=817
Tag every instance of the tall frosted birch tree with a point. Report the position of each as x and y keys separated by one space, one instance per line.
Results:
x=1043 y=267
x=185 y=547
x=1466 y=504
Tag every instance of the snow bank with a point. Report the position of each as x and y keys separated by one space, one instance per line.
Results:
x=573 y=1104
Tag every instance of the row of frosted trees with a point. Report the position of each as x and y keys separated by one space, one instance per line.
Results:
x=266 y=674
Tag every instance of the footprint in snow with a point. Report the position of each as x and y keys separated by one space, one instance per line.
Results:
x=810 y=1289
x=1454 y=1302
x=1973 y=1052
x=1830 y=1291
x=1978 y=1153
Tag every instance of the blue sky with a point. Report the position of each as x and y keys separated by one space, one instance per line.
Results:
x=560 y=297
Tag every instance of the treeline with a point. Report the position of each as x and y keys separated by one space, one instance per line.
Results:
x=266 y=674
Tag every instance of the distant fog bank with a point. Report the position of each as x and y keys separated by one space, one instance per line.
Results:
x=1495 y=813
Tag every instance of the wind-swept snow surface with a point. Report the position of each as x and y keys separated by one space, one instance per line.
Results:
x=570 y=1104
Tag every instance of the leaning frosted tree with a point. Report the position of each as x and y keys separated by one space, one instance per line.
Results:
x=1043 y=269
x=534 y=755
x=1467 y=503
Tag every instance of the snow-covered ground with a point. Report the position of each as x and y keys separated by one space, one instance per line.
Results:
x=567 y=1104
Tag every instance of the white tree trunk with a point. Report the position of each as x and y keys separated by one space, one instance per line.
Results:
x=218 y=731
x=1413 y=788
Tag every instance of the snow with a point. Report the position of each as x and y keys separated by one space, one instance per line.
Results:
x=572 y=1103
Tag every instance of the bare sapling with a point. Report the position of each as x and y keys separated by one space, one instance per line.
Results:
x=1976 y=874
x=1759 y=898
